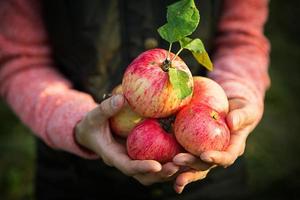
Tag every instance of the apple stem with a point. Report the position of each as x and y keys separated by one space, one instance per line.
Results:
x=214 y=115
x=166 y=65
x=177 y=54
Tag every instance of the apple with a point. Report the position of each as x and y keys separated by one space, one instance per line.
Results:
x=147 y=87
x=149 y=141
x=199 y=128
x=125 y=120
x=209 y=92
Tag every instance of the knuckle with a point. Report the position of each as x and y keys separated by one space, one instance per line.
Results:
x=90 y=120
x=103 y=109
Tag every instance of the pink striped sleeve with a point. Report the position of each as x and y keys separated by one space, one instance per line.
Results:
x=242 y=51
x=42 y=98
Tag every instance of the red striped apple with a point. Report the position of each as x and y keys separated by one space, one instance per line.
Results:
x=147 y=86
x=149 y=141
x=125 y=120
x=199 y=128
x=209 y=92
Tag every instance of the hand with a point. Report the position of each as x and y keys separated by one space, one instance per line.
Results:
x=168 y=172
x=242 y=118
x=194 y=169
x=93 y=132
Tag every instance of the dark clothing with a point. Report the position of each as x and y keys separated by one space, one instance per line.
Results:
x=61 y=175
x=93 y=42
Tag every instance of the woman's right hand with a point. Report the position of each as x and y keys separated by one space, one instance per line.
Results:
x=93 y=132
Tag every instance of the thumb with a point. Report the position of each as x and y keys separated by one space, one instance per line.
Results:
x=239 y=118
x=108 y=108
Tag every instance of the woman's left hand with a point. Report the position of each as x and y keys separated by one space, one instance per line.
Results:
x=241 y=120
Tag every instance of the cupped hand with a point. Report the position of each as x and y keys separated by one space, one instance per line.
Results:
x=242 y=118
x=93 y=132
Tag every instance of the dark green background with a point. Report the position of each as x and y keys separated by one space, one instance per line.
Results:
x=273 y=148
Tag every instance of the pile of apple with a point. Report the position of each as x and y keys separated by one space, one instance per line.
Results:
x=156 y=122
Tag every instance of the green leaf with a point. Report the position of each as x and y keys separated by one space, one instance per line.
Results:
x=184 y=42
x=167 y=34
x=194 y=45
x=179 y=80
x=198 y=50
x=204 y=60
x=182 y=20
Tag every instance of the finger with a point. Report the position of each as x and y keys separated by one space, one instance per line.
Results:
x=119 y=158
x=187 y=177
x=239 y=118
x=168 y=170
x=135 y=167
x=186 y=159
x=226 y=158
x=108 y=108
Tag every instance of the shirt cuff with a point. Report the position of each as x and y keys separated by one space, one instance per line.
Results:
x=61 y=126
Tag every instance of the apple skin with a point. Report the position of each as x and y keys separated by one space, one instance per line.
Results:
x=147 y=87
x=209 y=92
x=125 y=120
x=149 y=141
x=199 y=128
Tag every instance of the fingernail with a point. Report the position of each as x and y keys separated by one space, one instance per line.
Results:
x=179 y=161
x=117 y=100
x=206 y=158
x=179 y=189
x=182 y=163
x=156 y=168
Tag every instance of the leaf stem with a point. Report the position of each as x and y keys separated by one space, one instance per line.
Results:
x=177 y=54
x=168 y=55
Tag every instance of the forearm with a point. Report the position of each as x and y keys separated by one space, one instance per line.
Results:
x=242 y=52
x=35 y=90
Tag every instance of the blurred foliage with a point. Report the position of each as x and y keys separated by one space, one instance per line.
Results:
x=16 y=157
x=272 y=149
